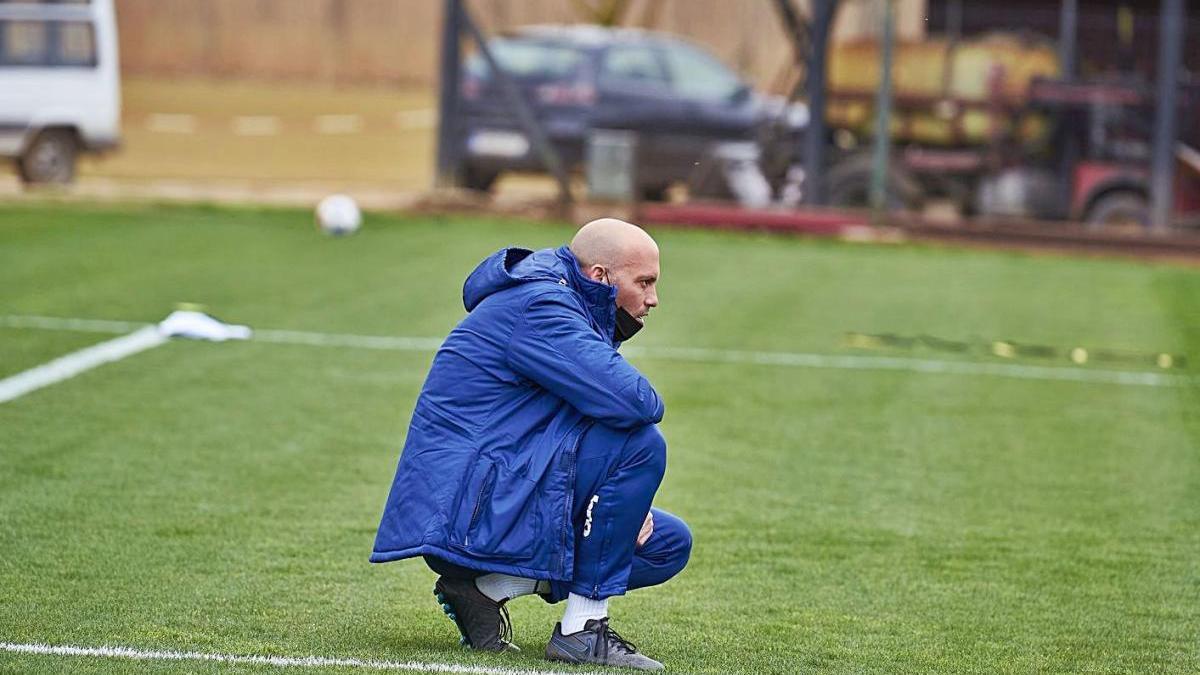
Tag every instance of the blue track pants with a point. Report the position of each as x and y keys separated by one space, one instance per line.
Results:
x=616 y=476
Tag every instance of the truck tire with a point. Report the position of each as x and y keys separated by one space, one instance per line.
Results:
x=1119 y=209
x=849 y=184
x=50 y=158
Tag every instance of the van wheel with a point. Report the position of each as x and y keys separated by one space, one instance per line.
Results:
x=50 y=158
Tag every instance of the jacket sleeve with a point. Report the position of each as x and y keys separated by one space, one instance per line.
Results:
x=554 y=345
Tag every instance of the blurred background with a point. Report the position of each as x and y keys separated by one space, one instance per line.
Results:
x=894 y=457
x=1082 y=111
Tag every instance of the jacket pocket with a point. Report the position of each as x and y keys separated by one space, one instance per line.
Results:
x=505 y=520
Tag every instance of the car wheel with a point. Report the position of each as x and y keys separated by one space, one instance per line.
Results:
x=654 y=193
x=479 y=179
x=50 y=158
x=1121 y=210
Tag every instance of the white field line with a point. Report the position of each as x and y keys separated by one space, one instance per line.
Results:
x=256 y=125
x=695 y=355
x=171 y=123
x=77 y=325
x=420 y=118
x=66 y=367
x=279 y=661
x=856 y=362
x=404 y=344
x=338 y=124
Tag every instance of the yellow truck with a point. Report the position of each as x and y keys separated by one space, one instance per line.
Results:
x=961 y=111
x=946 y=93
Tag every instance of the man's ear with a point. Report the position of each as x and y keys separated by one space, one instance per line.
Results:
x=596 y=273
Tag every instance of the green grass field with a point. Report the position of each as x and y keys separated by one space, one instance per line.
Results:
x=222 y=498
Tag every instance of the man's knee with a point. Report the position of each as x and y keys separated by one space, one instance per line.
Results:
x=665 y=554
x=647 y=445
x=677 y=539
x=685 y=544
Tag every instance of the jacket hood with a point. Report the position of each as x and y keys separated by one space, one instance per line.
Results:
x=509 y=267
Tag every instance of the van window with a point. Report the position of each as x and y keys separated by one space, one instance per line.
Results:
x=47 y=43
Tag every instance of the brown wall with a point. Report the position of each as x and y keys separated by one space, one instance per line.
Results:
x=325 y=40
x=394 y=41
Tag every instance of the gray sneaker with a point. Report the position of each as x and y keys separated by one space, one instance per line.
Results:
x=482 y=622
x=597 y=644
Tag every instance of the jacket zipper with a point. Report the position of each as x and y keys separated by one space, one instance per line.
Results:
x=478 y=504
x=570 y=491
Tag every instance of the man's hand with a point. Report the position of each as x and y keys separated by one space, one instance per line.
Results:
x=647 y=529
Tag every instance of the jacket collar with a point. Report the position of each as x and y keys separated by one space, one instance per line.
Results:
x=600 y=299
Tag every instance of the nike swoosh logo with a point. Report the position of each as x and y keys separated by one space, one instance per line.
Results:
x=577 y=654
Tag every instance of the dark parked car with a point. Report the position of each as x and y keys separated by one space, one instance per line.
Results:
x=678 y=98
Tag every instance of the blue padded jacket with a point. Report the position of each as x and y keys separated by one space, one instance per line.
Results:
x=486 y=475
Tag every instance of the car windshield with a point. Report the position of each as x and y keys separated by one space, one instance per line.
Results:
x=695 y=74
x=633 y=64
x=524 y=59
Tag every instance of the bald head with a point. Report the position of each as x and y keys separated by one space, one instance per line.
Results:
x=620 y=254
x=610 y=243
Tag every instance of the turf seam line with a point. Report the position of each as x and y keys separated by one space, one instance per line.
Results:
x=129 y=653
x=79 y=325
x=66 y=367
x=691 y=354
x=413 y=344
x=856 y=362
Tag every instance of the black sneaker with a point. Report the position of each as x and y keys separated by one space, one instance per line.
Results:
x=482 y=622
x=597 y=644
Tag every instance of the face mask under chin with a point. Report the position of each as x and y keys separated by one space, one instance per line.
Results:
x=626 y=326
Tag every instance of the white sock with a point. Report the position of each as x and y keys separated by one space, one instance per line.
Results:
x=500 y=587
x=579 y=610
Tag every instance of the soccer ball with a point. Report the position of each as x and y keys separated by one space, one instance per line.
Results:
x=338 y=215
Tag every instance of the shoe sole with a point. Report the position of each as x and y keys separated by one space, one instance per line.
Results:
x=560 y=657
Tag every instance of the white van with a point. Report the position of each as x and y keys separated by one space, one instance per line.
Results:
x=60 y=91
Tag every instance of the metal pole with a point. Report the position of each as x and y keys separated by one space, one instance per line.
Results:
x=1068 y=22
x=796 y=29
x=954 y=20
x=449 y=145
x=883 y=112
x=1162 y=163
x=814 y=137
x=529 y=122
x=1068 y=60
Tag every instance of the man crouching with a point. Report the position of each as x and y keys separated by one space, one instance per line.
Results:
x=533 y=453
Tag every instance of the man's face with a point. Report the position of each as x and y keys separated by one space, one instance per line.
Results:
x=636 y=280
